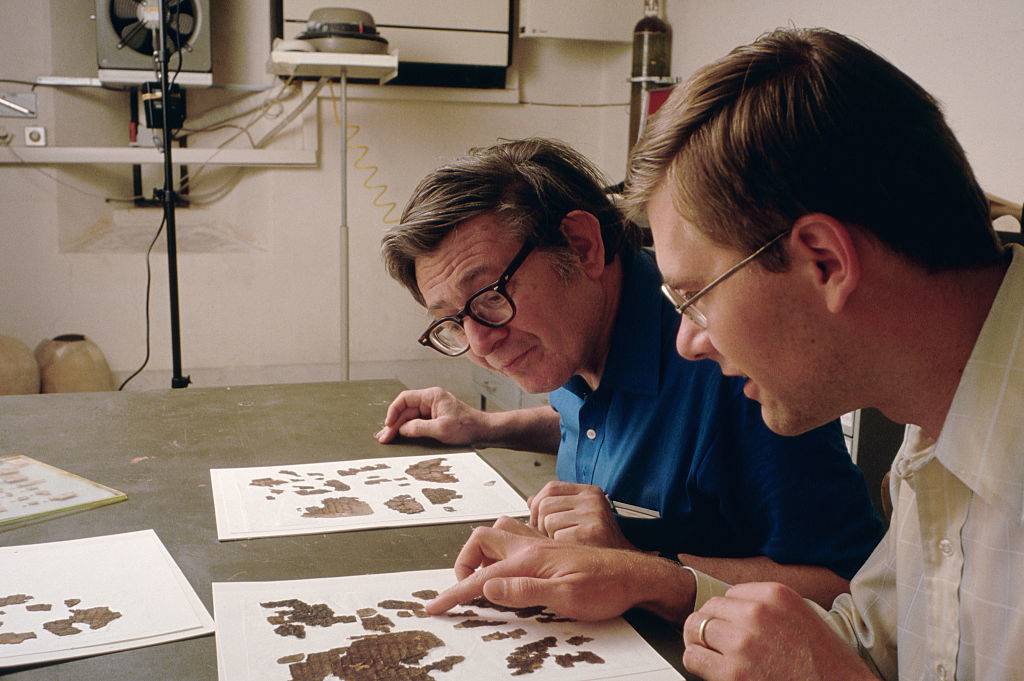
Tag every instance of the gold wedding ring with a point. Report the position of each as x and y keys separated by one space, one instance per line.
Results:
x=701 y=629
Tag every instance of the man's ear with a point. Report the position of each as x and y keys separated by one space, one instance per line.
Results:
x=583 y=232
x=823 y=247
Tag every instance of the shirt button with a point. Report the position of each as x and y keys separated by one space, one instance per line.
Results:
x=591 y=433
x=940 y=672
x=946 y=547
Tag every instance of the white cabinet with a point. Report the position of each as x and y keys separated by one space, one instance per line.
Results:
x=607 y=20
x=498 y=393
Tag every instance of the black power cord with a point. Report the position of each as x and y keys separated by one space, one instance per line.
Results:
x=149 y=281
x=177 y=38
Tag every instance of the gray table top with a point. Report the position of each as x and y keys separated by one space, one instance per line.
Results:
x=158 y=447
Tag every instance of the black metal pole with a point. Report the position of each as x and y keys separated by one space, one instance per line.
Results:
x=177 y=380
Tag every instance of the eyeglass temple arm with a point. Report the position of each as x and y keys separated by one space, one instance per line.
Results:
x=732 y=270
x=517 y=261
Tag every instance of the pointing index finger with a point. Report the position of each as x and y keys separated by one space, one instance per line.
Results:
x=479 y=560
x=463 y=591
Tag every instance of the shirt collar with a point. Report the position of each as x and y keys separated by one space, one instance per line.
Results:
x=634 y=354
x=982 y=439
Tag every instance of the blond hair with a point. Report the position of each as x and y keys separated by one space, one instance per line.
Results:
x=808 y=120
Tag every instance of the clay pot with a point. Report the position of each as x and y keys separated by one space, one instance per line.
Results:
x=72 y=363
x=19 y=371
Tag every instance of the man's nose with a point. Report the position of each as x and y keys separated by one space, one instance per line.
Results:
x=692 y=341
x=482 y=338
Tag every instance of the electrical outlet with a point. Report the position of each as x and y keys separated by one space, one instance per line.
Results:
x=35 y=136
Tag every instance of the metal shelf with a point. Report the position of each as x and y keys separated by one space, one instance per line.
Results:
x=143 y=156
x=379 y=67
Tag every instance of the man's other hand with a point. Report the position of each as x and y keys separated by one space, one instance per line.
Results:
x=433 y=413
x=764 y=630
x=576 y=513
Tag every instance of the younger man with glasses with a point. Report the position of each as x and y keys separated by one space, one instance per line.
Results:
x=528 y=268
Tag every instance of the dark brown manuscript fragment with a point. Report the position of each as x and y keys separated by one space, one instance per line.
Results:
x=431 y=470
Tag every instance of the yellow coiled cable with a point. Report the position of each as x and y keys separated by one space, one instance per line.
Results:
x=368 y=169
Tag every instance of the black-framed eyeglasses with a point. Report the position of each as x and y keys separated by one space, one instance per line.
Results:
x=491 y=306
x=686 y=306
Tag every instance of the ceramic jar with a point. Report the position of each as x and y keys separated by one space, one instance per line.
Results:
x=72 y=363
x=19 y=371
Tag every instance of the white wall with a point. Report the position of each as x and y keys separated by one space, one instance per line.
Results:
x=970 y=55
x=259 y=270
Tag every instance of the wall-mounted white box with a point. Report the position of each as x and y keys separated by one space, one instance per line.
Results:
x=606 y=20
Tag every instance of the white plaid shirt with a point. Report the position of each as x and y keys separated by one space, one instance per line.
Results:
x=945 y=587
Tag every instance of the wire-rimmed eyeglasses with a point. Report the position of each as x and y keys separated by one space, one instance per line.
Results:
x=686 y=306
x=491 y=306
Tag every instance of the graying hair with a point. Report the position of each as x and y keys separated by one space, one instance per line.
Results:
x=529 y=184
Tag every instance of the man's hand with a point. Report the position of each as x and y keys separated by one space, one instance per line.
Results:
x=766 y=631
x=433 y=413
x=575 y=513
x=510 y=565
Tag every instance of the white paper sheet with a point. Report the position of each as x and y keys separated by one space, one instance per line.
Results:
x=90 y=596
x=272 y=501
x=319 y=629
x=31 y=490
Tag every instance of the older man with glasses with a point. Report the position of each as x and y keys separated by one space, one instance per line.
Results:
x=527 y=268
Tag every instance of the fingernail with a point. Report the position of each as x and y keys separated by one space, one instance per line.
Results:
x=497 y=588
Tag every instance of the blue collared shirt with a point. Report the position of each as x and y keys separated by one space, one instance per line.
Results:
x=678 y=437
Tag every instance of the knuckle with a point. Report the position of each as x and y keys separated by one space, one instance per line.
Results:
x=479 y=533
x=780 y=593
x=504 y=523
x=715 y=602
